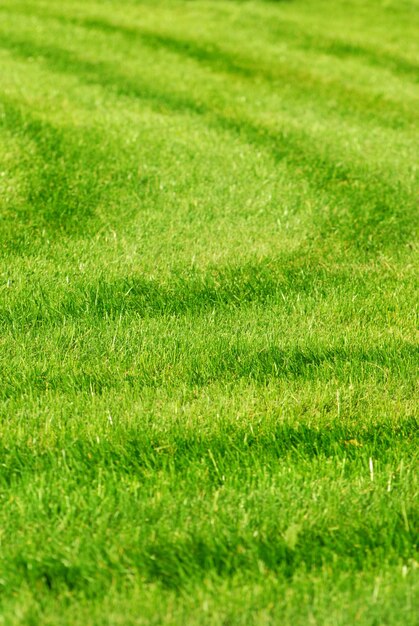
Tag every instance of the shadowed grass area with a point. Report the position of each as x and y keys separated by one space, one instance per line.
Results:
x=55 y=158
x=139 y=461
x=208 y=312
x=388 y=213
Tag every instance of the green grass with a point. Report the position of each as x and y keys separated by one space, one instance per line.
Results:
x=208 y=312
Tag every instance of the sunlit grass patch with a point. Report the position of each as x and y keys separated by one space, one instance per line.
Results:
x=208 y=312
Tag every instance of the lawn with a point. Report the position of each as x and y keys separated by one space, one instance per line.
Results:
x=208 y=312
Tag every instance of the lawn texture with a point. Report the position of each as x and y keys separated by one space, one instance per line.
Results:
x=208 y=312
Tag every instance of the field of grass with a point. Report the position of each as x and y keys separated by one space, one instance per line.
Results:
x=208 y=312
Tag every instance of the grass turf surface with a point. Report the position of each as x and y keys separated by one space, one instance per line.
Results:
x=208 y=312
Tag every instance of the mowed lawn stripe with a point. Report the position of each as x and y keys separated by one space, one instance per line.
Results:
x=208 y=312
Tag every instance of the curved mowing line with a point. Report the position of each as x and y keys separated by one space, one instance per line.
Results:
x=274 y=281
x=173 y=560
x=60 y=197
x=218 y=59
x=143 y=449
x=295 y=35
x=224 y=459
x=235 y=287
x=343 y=49
x=367 y=213
x=353 y=101
x=67 y=179
x=152 y=365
